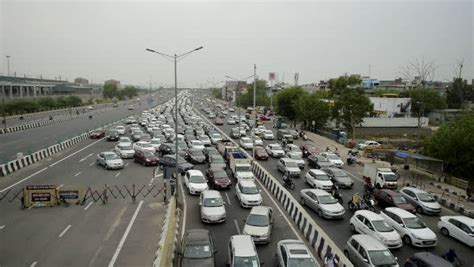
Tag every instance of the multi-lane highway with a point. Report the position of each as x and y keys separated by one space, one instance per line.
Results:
x=338 y=230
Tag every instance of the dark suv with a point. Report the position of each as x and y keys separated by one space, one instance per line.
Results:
x=218 y=178
x=112 y=135
x=146 y=158
x=170 y=161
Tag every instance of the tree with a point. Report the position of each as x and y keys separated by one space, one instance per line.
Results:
x=287 y=101
x=217 y=93
x=350 y=107
x=110 y=91
x=453 y=142
x=425 y=100
x=261 y=98
x=458 y=93
x=419 y=70
x=311 y=109
x=337 y=86
x=128 y=91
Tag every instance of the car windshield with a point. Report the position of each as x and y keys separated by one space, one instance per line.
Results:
x=397 y=200
x=268 y=132
x=242 y=168
x=213 y=202
x=390 y=177
x=155 y=142
x=126 y=147
x=382 y=226
x=332 y=156
x=414 y=223
x=246 y=261
x=257 y=220
x=249 y=190
x=197 y=152
x=216 y=135
x=145 y=145
x=111 y=156
x=322 y=159
x=197 y=251
x=197 y=179
x=296 y=156
x=276 y=147
x=220 y=174
x=291 y=164
x=327 y=199
x=181 y=161
x=301 y=262
x=339 y=173
x=148 y=154
x=381 y=257
x=217 y=160
x=425 y=197
x=322 y=177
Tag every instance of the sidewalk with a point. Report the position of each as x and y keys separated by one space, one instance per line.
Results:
x=447 y=195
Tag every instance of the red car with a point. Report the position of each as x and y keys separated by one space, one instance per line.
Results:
x=265 y=118
x=146 y=158
x=218 y=178
x=260 y=153
x=308 y=149
x=389 y=198
x=97 y=134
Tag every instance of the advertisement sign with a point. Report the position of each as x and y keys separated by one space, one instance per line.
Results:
x=39 y=195
x=72 y=194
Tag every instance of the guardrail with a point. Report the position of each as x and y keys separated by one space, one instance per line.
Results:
x=164 y=255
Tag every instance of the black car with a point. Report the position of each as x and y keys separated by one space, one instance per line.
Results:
x=210 y=150
x=112 y=135
x=426 y=259
x=169 y=161
x=319 y=162
x=197 y=249
x=195 y=156
x=166 y=148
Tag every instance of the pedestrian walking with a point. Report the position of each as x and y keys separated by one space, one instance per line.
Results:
x=173 y=184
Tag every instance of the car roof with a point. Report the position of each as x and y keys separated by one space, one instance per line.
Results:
x=369 y=242
x=432 y=259
x=215 y=168
x=390 y=192
x=318 y=172
x=197 y=236
x=109 y=153
x=369 y=214
x=243 y=245
x=247 y=183
x=194 y=172
x=318 y=192
x=211 y=193
x=463 y=219
x=260 y=210
x=413 y=189
x=292 y=245
x=400 y=212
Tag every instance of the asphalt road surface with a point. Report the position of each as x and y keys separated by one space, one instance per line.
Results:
x=338 y=230
x=32 y=140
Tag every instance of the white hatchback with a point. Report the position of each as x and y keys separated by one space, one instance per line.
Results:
x=458 y=227
x=248 y=194
x=318 y=179
x=195 y=182
x=370 y=223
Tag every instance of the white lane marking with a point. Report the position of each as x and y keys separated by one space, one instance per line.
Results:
x=88 y=205
x=237 y=226
x=159 y=175
x=284 y=215
x=34 y=264
x=228 y=199
x=124 y=237
x=84 y=158
x=184 y=208
x=75 y=153
x=117 y=174
x=77 y=174
x=22 y=180
x=92 y=164
x=2 y=226
x=64 y=231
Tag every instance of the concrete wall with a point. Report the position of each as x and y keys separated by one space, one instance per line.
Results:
x=394 y=122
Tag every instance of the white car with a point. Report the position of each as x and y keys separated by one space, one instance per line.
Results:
x=275 y=150
x=292 y=252
x=155 y=142
x=298 y=158
x=333 y=158
x=318 y=179
x=144 y=146
x=196 y=144
x=215 y=137
x=258 y=141
x=260 y=130
x=322 y=202
x=246 y=143
x=124 y=150
x=110 y=160
x=259 y=224
x=231 y=121
x=458 y=227
x=370 y=223
x=293 y=148
x=410 y=227
x=120 y=129
x=248 y=194
x=195 y=182
x=423 y=201
x=268 y=135
x=368 y=144
x=205 y=140
x=212 y=207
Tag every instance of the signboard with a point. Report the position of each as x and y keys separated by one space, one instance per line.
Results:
x=72 y=194
x=272 y=76
x=39 y=195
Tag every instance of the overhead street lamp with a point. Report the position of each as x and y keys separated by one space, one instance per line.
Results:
x=254 y=88
x=175 y=58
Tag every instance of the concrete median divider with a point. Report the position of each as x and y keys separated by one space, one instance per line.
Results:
x=165 y=252
x=312 y=232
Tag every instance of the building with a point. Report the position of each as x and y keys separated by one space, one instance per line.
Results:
x=389 y=107
x=113 y=82
x=80 y=80
x=230 y=89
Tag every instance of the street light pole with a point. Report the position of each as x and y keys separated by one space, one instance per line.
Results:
x=8 y=64
x=254 y=109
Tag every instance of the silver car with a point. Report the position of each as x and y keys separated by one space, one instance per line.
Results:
x=110 y=160
x=366 y=251
x=322 y=202
x=422 y=200
x=259 y=224
x=212 y=207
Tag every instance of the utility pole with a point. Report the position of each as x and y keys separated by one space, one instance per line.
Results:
x=254 y=109
x=8 y=65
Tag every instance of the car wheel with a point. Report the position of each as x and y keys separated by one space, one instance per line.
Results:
x=419 y=209
x=444 y=231
x=302 y=202
x=106 y=166
x=352 y=228
x=346 y=253
x=320 y=213
x=407 y=240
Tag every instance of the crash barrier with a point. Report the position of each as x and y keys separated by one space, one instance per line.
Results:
x=52 y=195
x=15 y=165
x=312 y=232
x=167 y=244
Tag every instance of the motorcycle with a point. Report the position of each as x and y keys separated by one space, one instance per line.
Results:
x=288 y=182
x=351 y=161
x=305 y=138
x=360 y=204
x=336 y=193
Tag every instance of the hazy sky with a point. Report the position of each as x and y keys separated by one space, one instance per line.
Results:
x=100 y=40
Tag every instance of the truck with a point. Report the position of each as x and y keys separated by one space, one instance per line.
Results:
x=225 y=147
x=240 y=165
x=380 y=175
